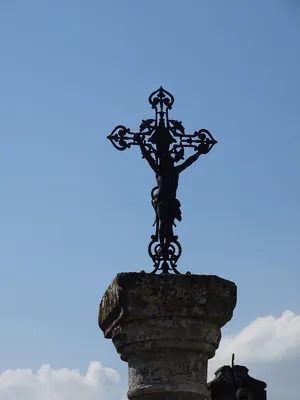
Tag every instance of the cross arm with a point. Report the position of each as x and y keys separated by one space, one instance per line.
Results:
x=202 y=141
x=199 y=139
x=122 y=138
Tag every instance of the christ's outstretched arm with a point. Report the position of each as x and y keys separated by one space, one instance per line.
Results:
x=189 y=161
x=147 y=155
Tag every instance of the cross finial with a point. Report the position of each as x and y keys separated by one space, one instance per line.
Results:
x=163 y=142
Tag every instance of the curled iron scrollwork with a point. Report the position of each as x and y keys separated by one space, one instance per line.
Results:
x=161 y=100
x=164 y=261
x=121 y=138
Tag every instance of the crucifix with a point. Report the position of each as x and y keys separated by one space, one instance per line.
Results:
x=162 y=142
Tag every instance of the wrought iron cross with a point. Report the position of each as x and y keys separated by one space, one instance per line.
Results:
x=162 y=142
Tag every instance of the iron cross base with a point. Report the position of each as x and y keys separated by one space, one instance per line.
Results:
x=164 y=258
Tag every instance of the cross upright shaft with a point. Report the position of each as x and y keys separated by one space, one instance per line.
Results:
x=163 y=142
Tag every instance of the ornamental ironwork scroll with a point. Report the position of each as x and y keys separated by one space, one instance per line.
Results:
x=162 y=142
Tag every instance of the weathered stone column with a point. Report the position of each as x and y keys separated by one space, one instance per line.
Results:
x=166 y=327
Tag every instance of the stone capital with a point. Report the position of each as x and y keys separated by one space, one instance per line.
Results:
x=166 y=327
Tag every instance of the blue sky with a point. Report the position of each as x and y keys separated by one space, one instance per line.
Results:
x=75 y=212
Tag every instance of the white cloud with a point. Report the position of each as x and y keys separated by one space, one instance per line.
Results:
x=269 y=347
x=266 y=339
x=98 y=383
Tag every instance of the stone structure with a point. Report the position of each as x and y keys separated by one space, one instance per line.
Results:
x=234 y=383
x=166 y=327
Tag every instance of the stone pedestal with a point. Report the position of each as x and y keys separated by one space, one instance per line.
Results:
x=223 y=387
x=234 y=383
x=166 y=327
